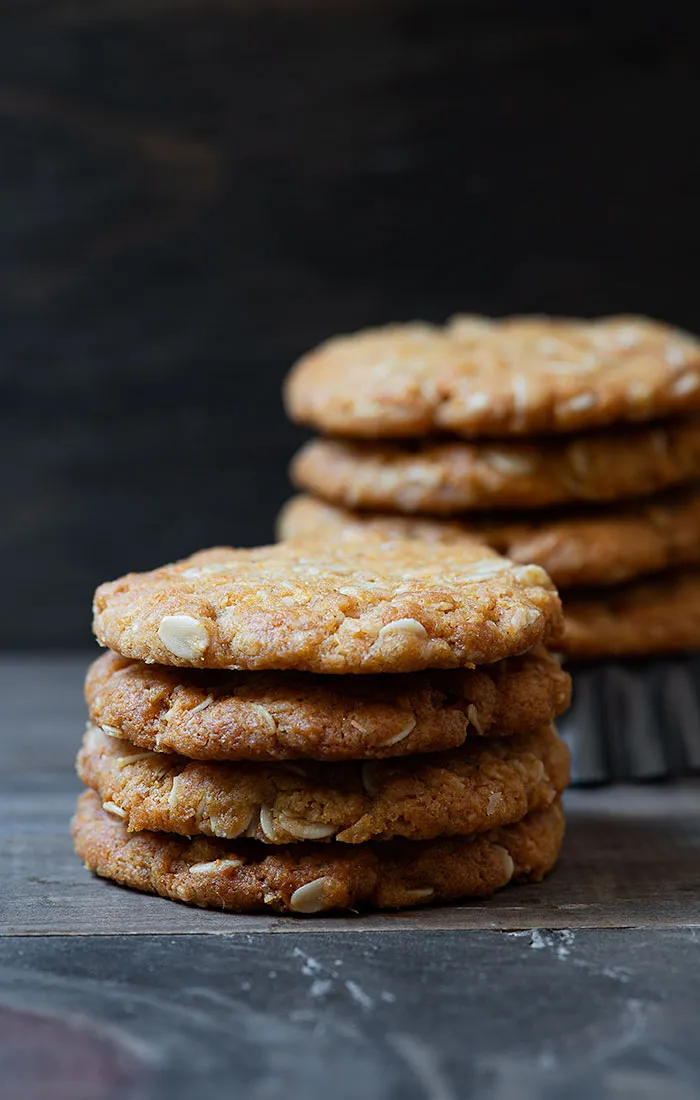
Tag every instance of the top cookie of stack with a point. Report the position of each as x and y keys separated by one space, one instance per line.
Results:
x=376 y=606
x=476 y=377
x=570 y=443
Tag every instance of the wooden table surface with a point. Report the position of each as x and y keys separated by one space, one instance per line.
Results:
x=586 y=986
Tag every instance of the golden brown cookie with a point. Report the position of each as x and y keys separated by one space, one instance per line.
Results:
x=364 y=606
x=607 y=545
x=310 y=878
x=517 y=376
x=469 y=790
x=216 y=715
x=446 y=477
x=658 y=615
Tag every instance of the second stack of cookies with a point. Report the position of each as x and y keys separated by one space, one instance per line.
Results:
x=573 y=444
x=303 y=729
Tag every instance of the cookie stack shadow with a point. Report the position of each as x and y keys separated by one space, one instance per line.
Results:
x=572 y=444
x=306 y=730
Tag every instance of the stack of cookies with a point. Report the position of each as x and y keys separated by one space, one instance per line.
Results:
x=307 y=729
x=572 y=444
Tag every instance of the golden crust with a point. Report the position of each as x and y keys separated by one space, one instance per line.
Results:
x=364 y=606
x=265 y=716
x=607 y=546
x=517 y=376
x=446 y=477
x=472 y=789
x=246 y=876
x=658 y=615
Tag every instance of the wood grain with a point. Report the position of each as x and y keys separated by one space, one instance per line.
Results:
x=423 y=1016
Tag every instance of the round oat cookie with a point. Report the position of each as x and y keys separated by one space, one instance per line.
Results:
x=658 y=615
x=446 y=477
x=244 y=875
x=469 y=790
x=586 y=546
x=216 y=715
x=363 y=606
x=516 y=376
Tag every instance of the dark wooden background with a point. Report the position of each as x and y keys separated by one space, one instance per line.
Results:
x=192 y=193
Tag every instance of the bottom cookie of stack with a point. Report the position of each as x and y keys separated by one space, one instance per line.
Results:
x=244 y=876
